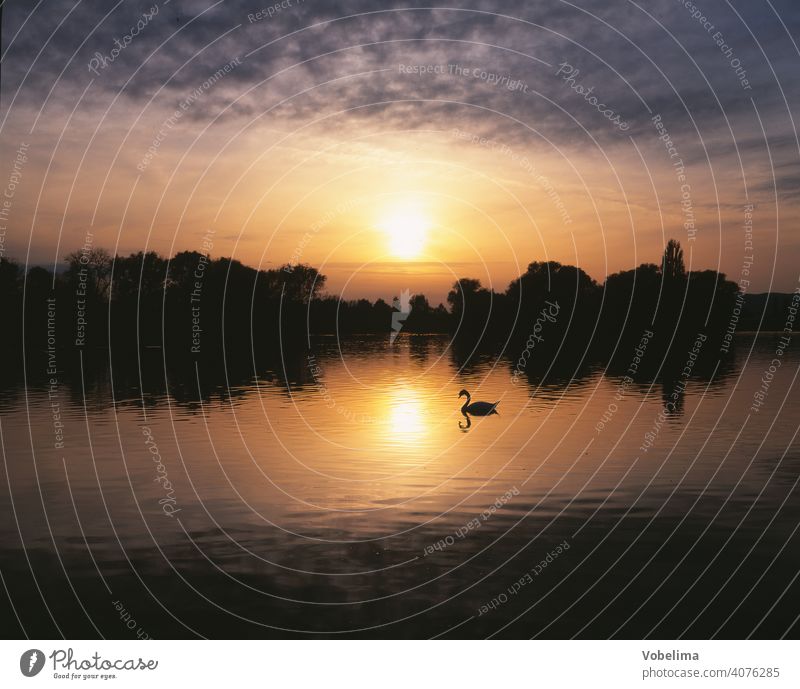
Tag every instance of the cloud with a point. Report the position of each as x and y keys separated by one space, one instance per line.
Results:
x=633 y=57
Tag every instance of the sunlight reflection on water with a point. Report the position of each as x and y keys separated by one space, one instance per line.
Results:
x=363 y=464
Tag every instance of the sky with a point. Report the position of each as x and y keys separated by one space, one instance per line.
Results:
x=396 y=146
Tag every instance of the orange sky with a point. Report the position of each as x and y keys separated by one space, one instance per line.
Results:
x=387 y=180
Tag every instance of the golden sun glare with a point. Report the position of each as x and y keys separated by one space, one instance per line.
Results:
x=406 y=230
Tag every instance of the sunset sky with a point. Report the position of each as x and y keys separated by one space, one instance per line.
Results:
x=402 y=148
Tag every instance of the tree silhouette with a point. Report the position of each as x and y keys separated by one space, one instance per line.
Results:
x=90 y=272
x=672 y=264
x=464 y=291
x=10 y=274
x=303 y=283
x=139 y=276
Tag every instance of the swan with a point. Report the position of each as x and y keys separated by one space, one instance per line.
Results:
x=477 y=408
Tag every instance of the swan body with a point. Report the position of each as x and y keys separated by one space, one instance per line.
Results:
x=477 y=408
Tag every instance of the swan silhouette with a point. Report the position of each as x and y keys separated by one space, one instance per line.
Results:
x=477 y=408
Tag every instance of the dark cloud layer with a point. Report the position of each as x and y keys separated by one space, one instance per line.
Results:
x=636 y=56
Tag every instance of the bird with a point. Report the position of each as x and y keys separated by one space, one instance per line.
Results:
x=477 y=408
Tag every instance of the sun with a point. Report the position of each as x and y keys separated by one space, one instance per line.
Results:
x=406 y=230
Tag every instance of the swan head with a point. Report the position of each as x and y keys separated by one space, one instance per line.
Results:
x=462 y=393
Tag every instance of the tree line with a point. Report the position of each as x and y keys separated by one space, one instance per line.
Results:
x=193 y=304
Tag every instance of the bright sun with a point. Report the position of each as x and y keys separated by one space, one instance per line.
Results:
x=406 y=230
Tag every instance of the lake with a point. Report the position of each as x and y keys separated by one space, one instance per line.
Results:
x=343 y=493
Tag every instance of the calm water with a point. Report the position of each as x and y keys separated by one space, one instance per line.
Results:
x=345 y=495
